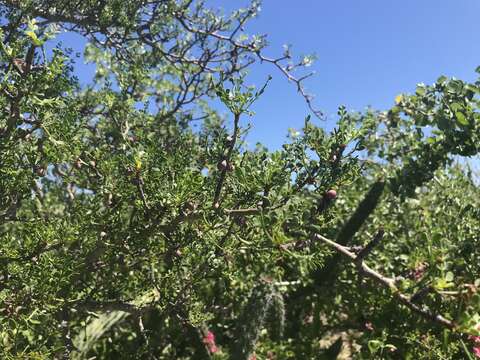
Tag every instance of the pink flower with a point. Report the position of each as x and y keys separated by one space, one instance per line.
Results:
x=209 y=341
x=213 y=348
x=476 y=351
x=209 y=338
x=369 y=326
x=253 y=357
x=474 y=339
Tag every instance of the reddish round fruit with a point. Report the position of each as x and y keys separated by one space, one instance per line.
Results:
x=331 y=194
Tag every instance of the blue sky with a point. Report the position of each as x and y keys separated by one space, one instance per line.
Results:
x=368 y=52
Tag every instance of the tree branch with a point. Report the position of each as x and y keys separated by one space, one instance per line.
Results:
x=227 y=160
x=388 y=283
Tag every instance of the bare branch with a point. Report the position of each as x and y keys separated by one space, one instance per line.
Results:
x=388 y=283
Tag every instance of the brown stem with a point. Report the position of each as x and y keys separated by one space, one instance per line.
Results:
x=388 y=283
x=228 y=156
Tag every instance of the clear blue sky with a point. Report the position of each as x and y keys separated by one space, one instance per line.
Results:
x=368 y=52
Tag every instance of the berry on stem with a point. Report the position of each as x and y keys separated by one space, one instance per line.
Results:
x=331 y=194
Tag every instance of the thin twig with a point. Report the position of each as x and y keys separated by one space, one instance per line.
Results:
x=139 y=182
x=227 y=158
x=244 y=212
x=252 y=48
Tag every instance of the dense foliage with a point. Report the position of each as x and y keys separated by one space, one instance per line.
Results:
x=128 y=233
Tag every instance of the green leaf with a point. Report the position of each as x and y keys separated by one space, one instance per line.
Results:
x=35 y=40
x=456 y=107
x=461 y=119
x=374 y=346
x=442 y=79
x=420 y=90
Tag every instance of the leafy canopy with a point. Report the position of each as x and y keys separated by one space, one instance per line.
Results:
x=126 y=232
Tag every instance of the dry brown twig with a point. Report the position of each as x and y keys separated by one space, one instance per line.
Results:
x=387 y=283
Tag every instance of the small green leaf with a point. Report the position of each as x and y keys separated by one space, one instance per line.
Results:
x=442 y=79
x=456 y=107
x=461 y=119
x=374 y=346
x=35 y=40
x=420 y=90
